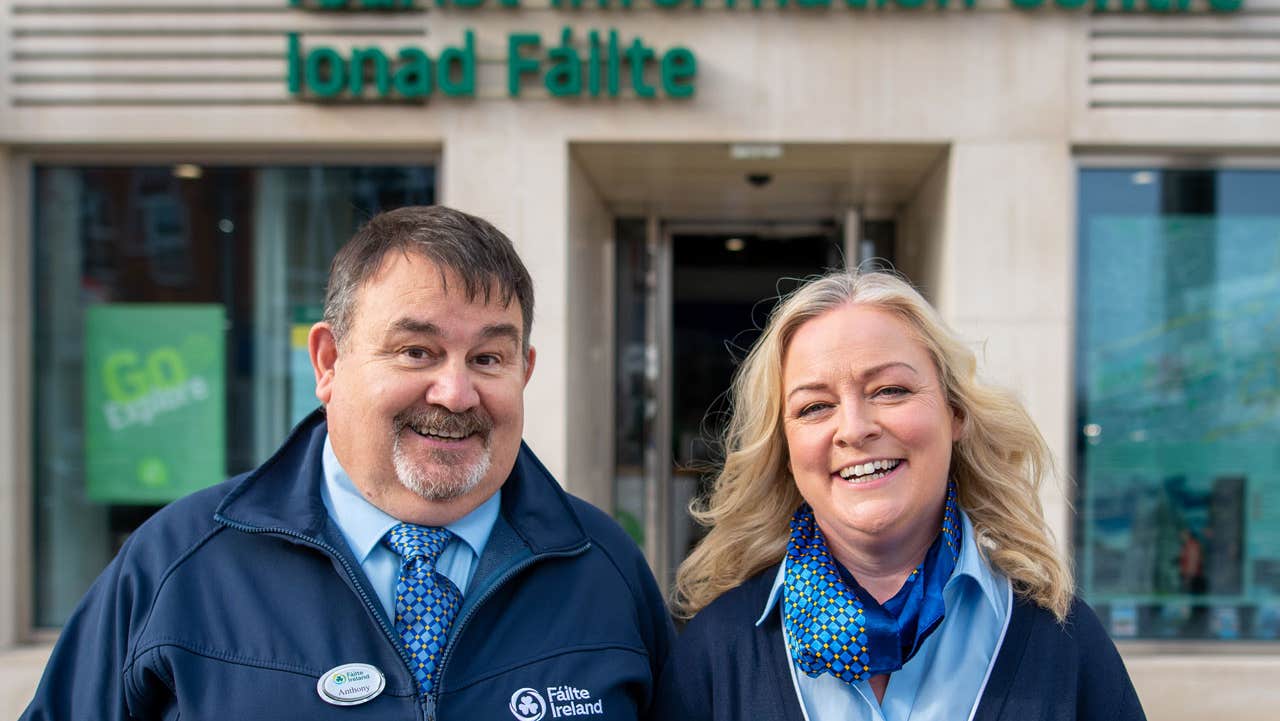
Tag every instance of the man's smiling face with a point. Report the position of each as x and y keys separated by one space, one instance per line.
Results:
x=425 y=397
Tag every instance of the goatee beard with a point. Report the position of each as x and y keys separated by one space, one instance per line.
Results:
x=443 y=477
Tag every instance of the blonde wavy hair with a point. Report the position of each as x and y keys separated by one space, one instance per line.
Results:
x=998 y=464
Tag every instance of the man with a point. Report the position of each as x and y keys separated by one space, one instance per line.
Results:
x=403 y=555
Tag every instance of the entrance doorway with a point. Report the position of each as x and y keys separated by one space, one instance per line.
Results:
x=706 y=236
x=692 y=300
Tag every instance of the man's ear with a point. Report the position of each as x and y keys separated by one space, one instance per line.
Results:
x=323 y=348
x=528 y=364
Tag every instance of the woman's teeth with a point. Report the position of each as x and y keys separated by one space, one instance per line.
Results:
x=869 y=471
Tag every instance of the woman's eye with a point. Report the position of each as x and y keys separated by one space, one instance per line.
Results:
x=890 y=392
x=812 y=408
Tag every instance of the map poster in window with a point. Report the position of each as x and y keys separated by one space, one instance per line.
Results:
x=154 y=401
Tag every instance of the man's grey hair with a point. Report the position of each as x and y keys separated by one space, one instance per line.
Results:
x=469 y=247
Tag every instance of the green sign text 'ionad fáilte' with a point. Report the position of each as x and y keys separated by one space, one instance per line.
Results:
x=593 y=63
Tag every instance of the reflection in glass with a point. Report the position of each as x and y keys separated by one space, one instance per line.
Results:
x=1178 y=392
x=254 y=241
x=634 y=408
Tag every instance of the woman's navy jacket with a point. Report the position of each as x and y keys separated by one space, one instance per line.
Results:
x=726 y=668
x=231 y=604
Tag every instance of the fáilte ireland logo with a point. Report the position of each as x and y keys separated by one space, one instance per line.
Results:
x=527 y=705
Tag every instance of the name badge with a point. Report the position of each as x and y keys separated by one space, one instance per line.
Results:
x=350 y=684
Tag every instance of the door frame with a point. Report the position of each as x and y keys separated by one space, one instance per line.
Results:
x=659 y=522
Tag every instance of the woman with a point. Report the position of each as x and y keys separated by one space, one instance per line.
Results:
x=877 y=547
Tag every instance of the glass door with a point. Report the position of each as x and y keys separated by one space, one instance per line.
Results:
x=691 y=301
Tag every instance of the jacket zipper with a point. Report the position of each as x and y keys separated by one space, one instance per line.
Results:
x=461 y=623
x=429 y=701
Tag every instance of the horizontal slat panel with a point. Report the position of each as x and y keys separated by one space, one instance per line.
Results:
x=67 y=7
x=1185 y=93
x=1267 y=35
x=529 y=96
x=261 y=24
x=123 y=10
x=226 y=46
x=1185 y=25
x=1181 y=105
x=490 y=86
x=173 y=91
x=42 y=6
x=107 y=69
x=1268 y=31
x=1186 y=69
x=41 y=79
x=143 y=71
x=92 y=102
x=81 y=8
x=1210 y=61
x=1183 y=47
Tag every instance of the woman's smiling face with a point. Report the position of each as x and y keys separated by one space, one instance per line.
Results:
x=868 y=428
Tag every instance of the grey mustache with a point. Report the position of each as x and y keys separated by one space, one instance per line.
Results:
x=437 y=418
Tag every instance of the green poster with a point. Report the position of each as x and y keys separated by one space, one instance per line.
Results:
x=154 y=401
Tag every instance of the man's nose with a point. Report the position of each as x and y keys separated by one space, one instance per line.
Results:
x=858 y=424
x=452 y=387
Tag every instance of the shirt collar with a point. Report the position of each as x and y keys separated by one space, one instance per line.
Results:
x=970 y=564
x=974 y=565
x=364 y=524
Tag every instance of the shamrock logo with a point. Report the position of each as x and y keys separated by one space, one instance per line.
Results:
x=527 y=705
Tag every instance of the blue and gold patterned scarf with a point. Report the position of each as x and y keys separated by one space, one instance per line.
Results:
x=834 y=626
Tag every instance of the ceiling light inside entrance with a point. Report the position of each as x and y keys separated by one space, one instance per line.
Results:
x=187 y=171
x=735 y=244
x=755 y=151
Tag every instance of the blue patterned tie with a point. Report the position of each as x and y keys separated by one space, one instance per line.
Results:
x=426 y=601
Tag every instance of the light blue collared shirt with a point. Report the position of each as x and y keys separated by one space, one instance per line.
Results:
x=364 y=524
x=948 y=673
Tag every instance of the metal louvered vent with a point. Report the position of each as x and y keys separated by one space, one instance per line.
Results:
x=174 y=52
x=1209 y=60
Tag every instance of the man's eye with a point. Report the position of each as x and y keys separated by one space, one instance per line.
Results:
x=487 y=360
x=416 y=353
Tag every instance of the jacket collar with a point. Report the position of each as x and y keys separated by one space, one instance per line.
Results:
x=283 y=495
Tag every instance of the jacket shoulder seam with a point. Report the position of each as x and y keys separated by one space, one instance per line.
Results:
x=160 y=586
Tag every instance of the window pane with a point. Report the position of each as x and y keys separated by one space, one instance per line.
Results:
x=1178 y=383
x=167 y=304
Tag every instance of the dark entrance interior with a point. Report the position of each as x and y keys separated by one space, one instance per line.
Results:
x=691 y=301
x=724 y=287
